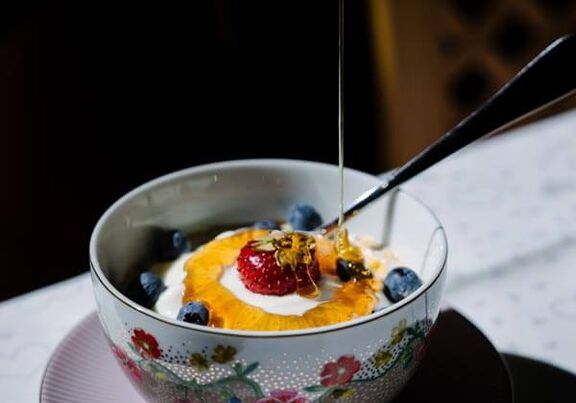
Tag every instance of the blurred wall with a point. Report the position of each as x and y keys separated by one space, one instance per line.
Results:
x=97 y=97
x=438 y=60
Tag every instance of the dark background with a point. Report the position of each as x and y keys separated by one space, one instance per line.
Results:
x=97 y=97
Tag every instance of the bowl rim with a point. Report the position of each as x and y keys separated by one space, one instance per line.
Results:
x=98 y=274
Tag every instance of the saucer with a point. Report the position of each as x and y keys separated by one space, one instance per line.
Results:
x=82 y=369
x=460 y=366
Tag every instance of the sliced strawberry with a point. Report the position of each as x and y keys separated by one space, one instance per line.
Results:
x=261 y=269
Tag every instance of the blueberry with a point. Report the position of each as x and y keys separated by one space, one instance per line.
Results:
x=234 y=400
x=343 y=270
x=400 y=282
x=194 y=312
x=347 y=270
x=266 y=224
x=171 y=244
x=303 y=217
x=146 y=289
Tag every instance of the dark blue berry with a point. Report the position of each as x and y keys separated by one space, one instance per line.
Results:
x=171 y=244
x=303 y=217
x=194 y=312
x=347 y=270
x=343 y=270
x=400 y=282
x=234 y=400
x=266 y=224
x=146 y=289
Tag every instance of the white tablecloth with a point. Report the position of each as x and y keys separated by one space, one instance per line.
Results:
x=509 y=208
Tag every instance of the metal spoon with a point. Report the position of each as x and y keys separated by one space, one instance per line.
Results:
x=549 y=77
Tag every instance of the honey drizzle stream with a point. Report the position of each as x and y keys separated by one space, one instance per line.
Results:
x=343 y=246
x=345 y=249
x=341 y=108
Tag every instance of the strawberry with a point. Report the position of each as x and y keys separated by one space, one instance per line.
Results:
x=280 y=265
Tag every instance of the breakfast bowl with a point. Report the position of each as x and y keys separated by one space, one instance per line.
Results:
x=367 y=358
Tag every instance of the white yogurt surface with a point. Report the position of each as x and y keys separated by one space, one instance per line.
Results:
x=290 y=304
x=173 y=275
x=379 y=260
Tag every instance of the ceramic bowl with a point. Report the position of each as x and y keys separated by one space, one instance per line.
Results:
x=367 y=359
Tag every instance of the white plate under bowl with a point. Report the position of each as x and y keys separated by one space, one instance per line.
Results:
x=80 y=367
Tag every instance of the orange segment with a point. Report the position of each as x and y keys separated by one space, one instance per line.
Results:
x=326 y=255
x=202 y=283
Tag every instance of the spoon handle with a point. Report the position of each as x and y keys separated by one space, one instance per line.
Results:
x=549 y=77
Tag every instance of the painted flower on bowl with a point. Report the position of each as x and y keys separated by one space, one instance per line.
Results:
x=398 y=332
x=130 y=366
x=146 y=344
x=223 y=354
x=339 y=372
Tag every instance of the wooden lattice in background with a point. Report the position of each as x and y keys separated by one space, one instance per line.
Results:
x=437 y=60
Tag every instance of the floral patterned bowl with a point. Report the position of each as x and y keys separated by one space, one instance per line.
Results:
x=367 y=359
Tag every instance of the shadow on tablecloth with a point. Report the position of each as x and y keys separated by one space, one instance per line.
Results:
x=537 y=382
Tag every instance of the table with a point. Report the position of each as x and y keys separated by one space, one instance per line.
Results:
x=509 y=208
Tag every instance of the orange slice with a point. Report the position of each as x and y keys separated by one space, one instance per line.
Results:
x=202 y=283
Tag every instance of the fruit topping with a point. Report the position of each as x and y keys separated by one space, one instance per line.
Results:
x=342 y=270
x=346 y=250
x=350 y=263
x=266 y=224
x=326 y=254
x=400 y=282
x=348 y=270
x=205 y=267
x=146 y=289
x=194 y=312
x=171 y=244
x=280 y=264
x=303 y=217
